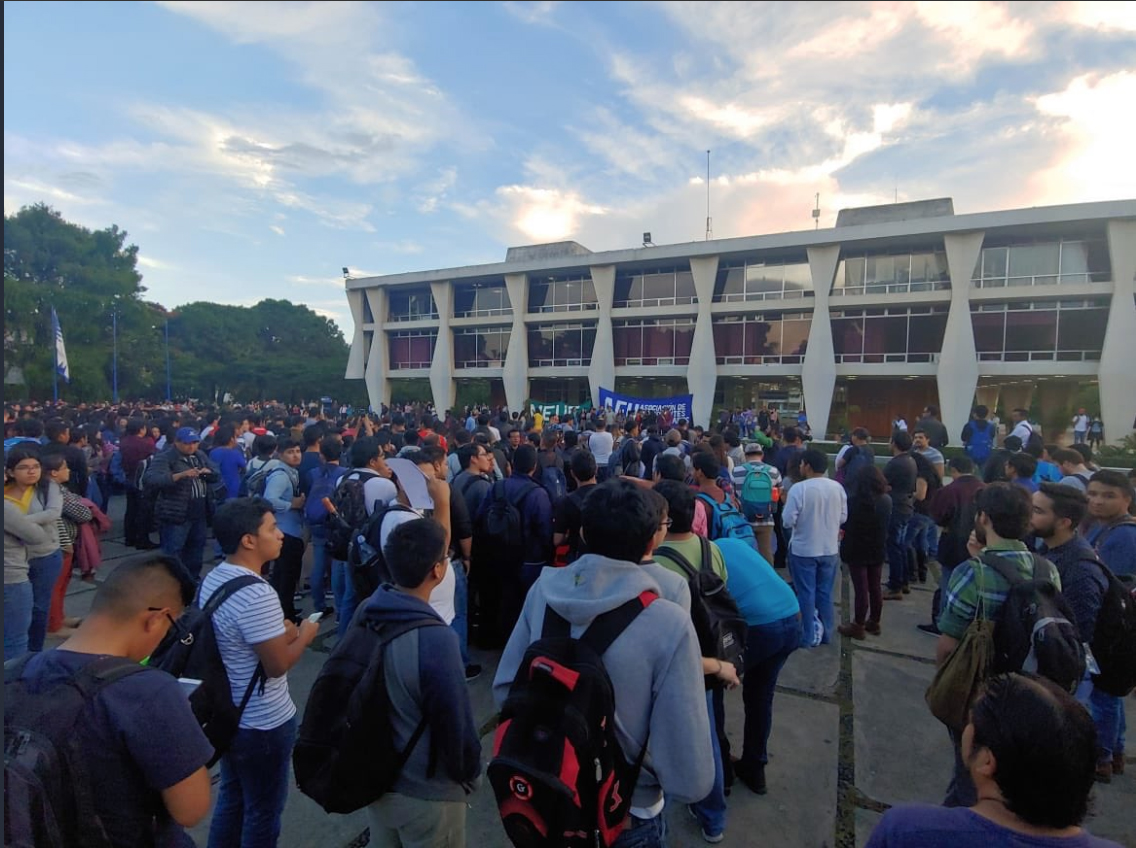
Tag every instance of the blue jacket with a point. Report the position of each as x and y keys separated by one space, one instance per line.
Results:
x=536 y=512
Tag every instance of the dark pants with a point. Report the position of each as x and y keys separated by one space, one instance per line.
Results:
x=514 y=589
x=898 y=526
x=286 y=573
x=779 y=556
x=868 y=594
x=186 y=541
x=133 y=533
x=767 y=648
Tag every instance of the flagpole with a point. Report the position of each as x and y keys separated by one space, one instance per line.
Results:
x=114 y=361
x=54 y=360
x=169 y=395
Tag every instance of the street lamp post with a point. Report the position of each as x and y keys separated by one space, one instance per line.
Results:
x=114 y=360
x=169 y=393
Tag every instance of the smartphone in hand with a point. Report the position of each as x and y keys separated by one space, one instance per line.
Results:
x=315 y=617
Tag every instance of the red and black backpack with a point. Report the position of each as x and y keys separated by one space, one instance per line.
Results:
x=558 y=771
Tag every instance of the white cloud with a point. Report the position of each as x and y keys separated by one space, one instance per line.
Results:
x=434 y=192
x=155 y=264
x=278 y=230
x=533 y=11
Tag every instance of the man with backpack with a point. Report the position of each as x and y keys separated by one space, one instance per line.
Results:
x=723 y=520
x=135 y=448
x=256 y=642
x=1073 y=470
x=649 y=667
x=430 y=715
x=978 y=588
x=814 y=511
x=320 y=484
x=758 y=485
x=978 y=436
x=118 y=739
x=569 y=516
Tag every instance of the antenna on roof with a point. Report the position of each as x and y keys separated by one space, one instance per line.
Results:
x=709 y=220
x=816 y=213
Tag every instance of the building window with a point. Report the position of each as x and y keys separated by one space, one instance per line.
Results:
x=897 y=334
x=481 y=347
x=1043 y=264
x=412 y=348
x=892 y=273
x=411 y=305
x=475 y=300
x=653 y=341
x=773 y=338
x=654 y=287
x=740 y=280
x=1029 y=331
x=561 y=344
x=562 y=294
x=368 y=315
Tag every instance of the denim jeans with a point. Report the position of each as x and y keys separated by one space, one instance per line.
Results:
x=767 y=648
x=813 y=579
x=924 y=535
x=42 y=572
x=17 y=618
x=343 y=591
x=460 y=624
x=711 y=810
x=898 y=528
x=254 y=787
x=321 y=567
x=1112 y=725
x=186 y=541
x=647 y=833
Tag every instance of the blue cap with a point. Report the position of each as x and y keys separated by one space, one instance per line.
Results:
x=185 y=435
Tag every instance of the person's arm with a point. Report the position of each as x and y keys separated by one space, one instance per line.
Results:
x=453 y=734
x=920 y=488
x=280 y=653
x=187 y=802
x=53 y=508
x=792 y=508
x=944 y=647
x=278 y=491
x=439 y=492
x=19 y=525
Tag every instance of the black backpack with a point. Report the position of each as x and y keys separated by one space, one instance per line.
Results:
x=1034 y=443
x=500 y=526
x=1034 y=628
x=720 y=627
x=48 y=801
x=1114 y=639
x=344 y=756
x=350 y=513
x=559 y=774
x=365 y=561
x=555 y=483
x=191 y=651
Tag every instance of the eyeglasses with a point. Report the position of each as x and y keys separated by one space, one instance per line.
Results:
x=27 y=468
x=176 y=625
x=666 y=523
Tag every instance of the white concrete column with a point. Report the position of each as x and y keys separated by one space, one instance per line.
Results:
x=1117 y=369
x=442 y=365
x=376 y=371
x=602 y=370
x=516 y=371
x=355 y=358
x=958 y=360
x=818 y=374
x=702 y=372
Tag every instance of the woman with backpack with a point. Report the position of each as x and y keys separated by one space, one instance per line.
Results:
x=863 y=547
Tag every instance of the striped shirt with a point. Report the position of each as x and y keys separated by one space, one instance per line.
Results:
x=251 y=616
x=974 y=579
x=739 y=474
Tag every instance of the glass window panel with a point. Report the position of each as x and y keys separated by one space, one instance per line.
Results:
x=994 y=261
x=684 y=287
x=794 y=336
x=766 y=338
x=622 y=290
x=1100 y=266
x=988 y=328
x=729 y=338
x=1081 y=329
x=798 y=277
x=1074 y=257
x=902 y=269
x=764 y=279
x=658 y=287
x=730 y=284
x=628 y=342
x=538 y=297
x=497 y=345
x=368 y=316
x=465 y=348
x=854 y=272
x=885 y=335
x=492 y=298
x=1035 y=330
x=587 y=342
x=879 y=270
x=588 y=291
x=925 y=333
x=1034 y=260
x=919 y=269
x=684 y=340
x=465 y=300
x=848 y=335
x=635 y=293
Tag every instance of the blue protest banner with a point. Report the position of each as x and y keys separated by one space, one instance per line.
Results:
x=680 y=405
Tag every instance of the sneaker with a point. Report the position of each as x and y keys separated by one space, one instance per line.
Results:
x=906 y=589
x=896 y=595
x=852 y=630
x=755 y=779
x=1118 y=762
x=1103 y=773
x=298 y=598
x=712 y=838
x=930 y=629
x=872 y=627
x=472 y=672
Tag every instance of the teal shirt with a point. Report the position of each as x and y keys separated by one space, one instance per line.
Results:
x=762 y=596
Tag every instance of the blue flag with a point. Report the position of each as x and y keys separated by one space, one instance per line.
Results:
x=60 y=352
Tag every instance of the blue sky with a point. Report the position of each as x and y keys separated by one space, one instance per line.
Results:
x=252 y=150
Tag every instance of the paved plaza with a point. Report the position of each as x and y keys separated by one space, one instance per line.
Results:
x=851 y=737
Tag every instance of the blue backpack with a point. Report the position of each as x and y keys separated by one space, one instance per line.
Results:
x=555 y=483
x=323 y=480
x=725 y=522
x=981 y=442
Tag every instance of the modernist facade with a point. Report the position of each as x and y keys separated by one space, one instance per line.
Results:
x=894 y=307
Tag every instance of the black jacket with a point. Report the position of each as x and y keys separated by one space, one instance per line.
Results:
x=865 y=531
x=174 y=497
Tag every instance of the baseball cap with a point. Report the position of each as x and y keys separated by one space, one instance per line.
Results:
x=754 y=447
x=185 y=435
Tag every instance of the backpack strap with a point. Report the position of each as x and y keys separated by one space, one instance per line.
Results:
x=555 y=625
x=707 y=554
x=606 y=628
x=680 y=560
x=221 y=594
x=715 y=516
x=1010 y=574
x=1126 y=521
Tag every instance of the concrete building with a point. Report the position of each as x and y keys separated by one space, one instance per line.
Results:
x=895 y=307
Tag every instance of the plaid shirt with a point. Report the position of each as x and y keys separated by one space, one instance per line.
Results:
x=960 y=606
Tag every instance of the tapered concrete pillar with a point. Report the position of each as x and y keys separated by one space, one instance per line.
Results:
x=818 y=376
x=702 y=372
x=602 y=370
x=958 y=360
x=376 y=370
x=356 y=358
x=1117 y=368
x=442 y=365
x=516 y=371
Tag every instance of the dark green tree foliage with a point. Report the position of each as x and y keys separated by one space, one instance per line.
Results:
x=272 y=350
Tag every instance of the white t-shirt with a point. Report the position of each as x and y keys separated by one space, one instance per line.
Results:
x=1022 y=430
x=1081 y=423
x=814 y=511
x=600 y=443
x=442 y=598
x=251 y=616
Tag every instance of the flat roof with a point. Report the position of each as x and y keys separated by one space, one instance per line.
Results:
x=797 y=240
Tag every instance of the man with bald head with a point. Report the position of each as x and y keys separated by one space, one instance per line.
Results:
x=141 y=746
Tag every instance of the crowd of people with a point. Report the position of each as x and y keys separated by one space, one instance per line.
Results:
x=503 y=525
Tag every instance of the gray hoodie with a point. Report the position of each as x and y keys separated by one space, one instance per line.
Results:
x=654 y=666
x=19 y=532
